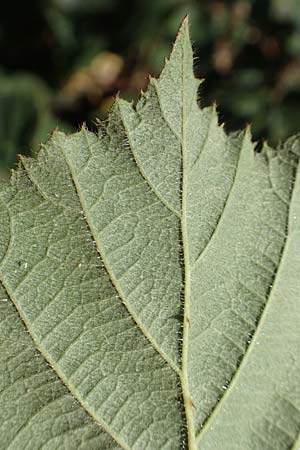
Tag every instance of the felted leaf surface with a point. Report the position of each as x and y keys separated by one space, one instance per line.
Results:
x=150 y=277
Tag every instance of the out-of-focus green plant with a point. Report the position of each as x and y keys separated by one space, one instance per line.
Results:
x=25 y=118
x=84 y=52
x=287 y=9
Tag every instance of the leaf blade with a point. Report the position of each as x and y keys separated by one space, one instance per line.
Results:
x=91 y=361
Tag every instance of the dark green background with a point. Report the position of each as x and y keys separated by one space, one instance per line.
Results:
x=62 y=61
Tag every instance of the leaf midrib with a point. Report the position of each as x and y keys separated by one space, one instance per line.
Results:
x=187 y=272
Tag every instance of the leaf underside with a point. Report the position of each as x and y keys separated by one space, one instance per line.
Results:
x=149 y=283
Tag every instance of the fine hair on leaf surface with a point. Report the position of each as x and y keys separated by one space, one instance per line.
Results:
x=149 y=283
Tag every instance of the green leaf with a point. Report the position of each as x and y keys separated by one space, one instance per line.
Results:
x=150 y=278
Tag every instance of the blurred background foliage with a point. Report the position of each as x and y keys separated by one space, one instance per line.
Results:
x=62 y=62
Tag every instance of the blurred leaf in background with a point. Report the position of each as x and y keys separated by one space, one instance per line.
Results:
x=75 y=56
x=25 y=119
x=287 y=9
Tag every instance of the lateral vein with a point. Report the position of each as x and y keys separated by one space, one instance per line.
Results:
x=112 y=278
x=56 y=368
x=145 y=177
x=257 y=331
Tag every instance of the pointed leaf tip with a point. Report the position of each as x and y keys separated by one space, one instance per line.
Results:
x=184 y=30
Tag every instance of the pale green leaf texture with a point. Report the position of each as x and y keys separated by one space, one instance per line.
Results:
x=149 y=294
